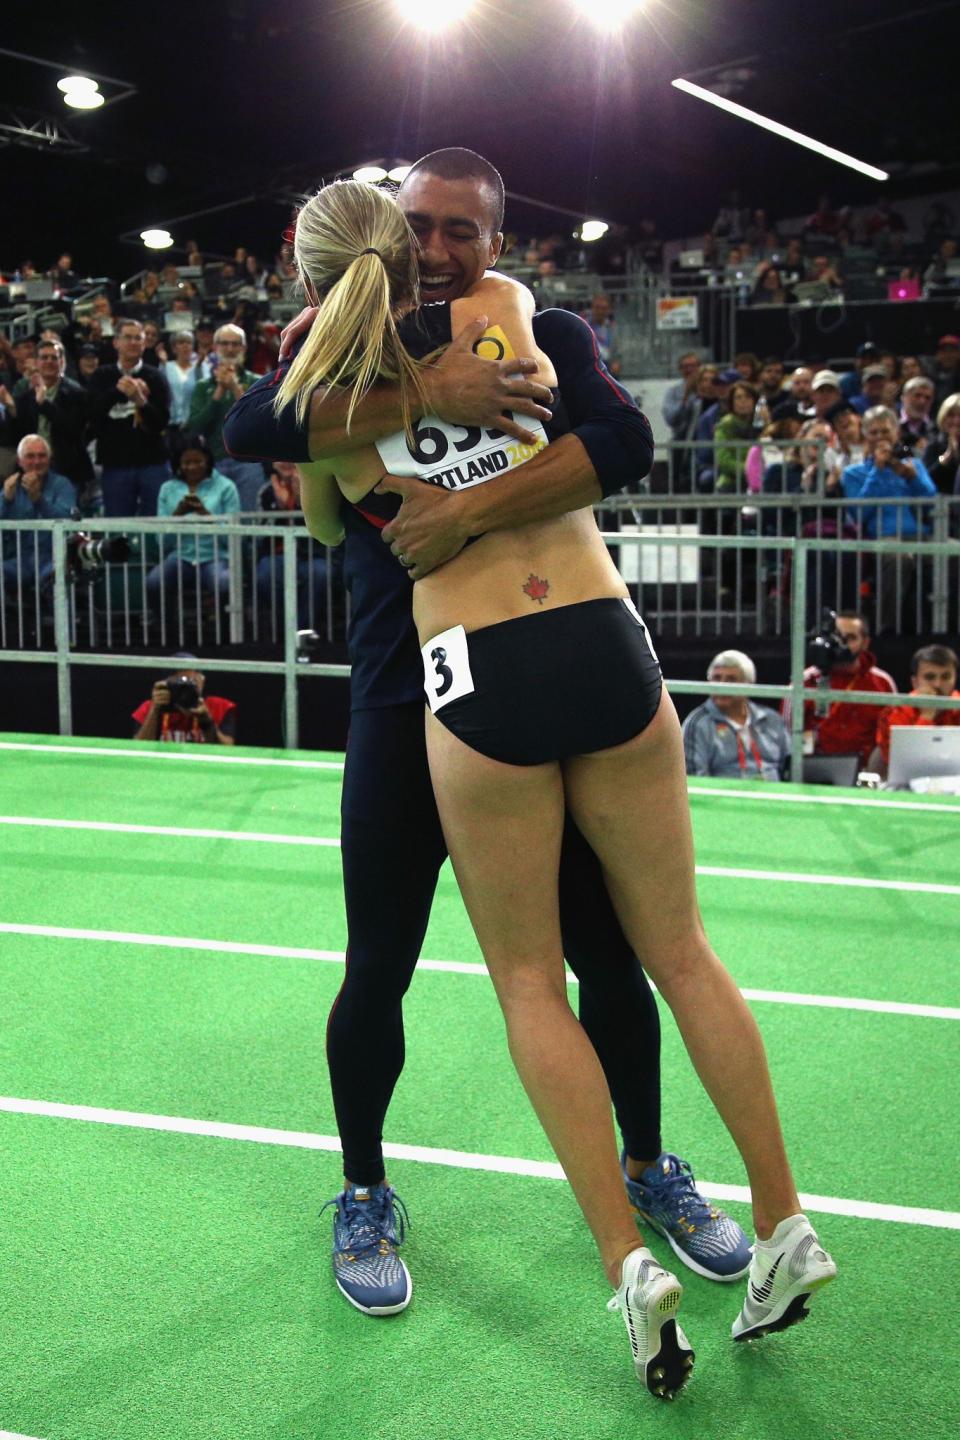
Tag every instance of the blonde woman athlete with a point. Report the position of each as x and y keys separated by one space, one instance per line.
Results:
x=545 y=694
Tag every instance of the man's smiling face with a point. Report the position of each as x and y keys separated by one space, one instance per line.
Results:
x=454 y=222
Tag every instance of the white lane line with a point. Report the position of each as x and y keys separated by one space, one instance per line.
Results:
x=852 y=882
x=15 y=1435
x=779 y=794
x=448 y=967
x=789 y=877
x=783 y=795
x=457 y=1159
x=205 y=754
x=182 y=832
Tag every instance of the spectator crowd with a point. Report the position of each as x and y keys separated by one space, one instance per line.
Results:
x=115 y=408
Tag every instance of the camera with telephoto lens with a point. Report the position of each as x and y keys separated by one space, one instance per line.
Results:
x=827 y=647
x=184 y=694
x=86 y=556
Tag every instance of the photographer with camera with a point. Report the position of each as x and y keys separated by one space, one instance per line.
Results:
x=842 y=660
x=32 y=492
x=179 y=711
x=888 y=470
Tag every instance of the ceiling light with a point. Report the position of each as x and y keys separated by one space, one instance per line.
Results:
x=433 y=15
x=399 y=173
x=607 y=14
x=784 y=131
x=593 y=229
x=76 y=82
x=156 y=239
x=83 y=99
x=373 y=174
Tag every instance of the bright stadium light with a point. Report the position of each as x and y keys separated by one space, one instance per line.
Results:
x=373 y=174
x=433 y=15
x=784 y=131
x=608 y=14
x=593 y=229
x=76 y=82
x=80 y=92
x=83 y=99
x=399 y=173
x=156 y=239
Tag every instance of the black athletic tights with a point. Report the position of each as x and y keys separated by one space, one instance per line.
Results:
x=392 y=850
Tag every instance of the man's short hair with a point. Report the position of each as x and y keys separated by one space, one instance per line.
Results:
x=934 y=655
x=456 y=163
x=917 y=382
x=734 y=660
x=127 y=323
x=855 y=615
x=32 y=440
x=52 y=345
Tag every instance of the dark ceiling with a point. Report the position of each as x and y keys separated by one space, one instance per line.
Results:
x=255 y=100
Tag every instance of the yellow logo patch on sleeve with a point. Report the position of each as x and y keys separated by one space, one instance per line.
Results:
x=494 y=345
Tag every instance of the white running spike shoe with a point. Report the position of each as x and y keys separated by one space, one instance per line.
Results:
x=647 y=1298
x=785 y=1271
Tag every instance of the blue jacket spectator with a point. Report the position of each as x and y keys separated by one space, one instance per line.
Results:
x=32 y=492
x=729 y=735
x=883 y=476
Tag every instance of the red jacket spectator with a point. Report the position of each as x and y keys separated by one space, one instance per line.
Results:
x=847 y=729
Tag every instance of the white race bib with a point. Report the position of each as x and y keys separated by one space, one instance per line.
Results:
x=458 y=456
x=446 y=668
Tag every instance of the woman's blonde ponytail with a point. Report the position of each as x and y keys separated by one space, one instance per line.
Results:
x=353 y=244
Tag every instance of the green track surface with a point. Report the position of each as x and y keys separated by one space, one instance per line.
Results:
x=161 y=1286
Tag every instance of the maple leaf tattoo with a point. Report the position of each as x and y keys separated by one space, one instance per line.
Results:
x=536 y=588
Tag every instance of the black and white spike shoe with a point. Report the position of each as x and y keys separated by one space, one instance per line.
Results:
x=648 y=1298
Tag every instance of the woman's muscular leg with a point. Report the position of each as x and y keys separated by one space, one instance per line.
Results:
x=503 y=826
x=631 y=804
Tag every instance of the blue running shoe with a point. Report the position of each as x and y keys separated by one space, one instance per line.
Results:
x=366 y=1266
x=704 y=1238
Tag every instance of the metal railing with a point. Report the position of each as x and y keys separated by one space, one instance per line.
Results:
x=51 y=622
x=910 y=583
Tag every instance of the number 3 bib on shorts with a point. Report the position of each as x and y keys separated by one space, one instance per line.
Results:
x=446 y=668
x=458 y=456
